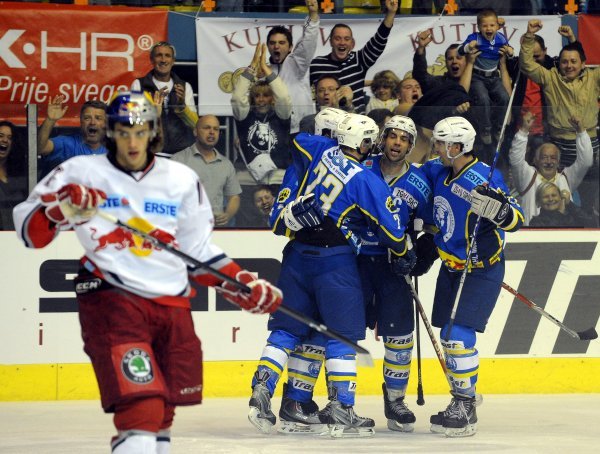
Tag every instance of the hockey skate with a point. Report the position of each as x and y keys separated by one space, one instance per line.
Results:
x=343 y=422
x=458 y=420
x=260 y=414
x=399 y=417
x=299 y=417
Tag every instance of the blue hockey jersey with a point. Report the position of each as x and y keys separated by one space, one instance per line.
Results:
x=411 y=188
x=452 y=215
x=350 y=195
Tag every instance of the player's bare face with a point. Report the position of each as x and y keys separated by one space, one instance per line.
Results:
x=93 y=126
x=442 y=151
x=397 y=145
x=163 y=61
x=207 y=132
x=5 y=142
x=570 y=65
x=551 y=199
x=132 y=145
x=326 y=92
x=455 y=64
x=342 y=43
x=547 y=161
x=279 y=47
x=488 y=27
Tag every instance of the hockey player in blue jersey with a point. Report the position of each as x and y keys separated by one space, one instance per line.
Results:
x=299 y=412
x=461 y=194
x=319 y=267
x=388 y=297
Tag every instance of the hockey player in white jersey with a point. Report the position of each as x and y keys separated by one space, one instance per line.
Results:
x=133 y=297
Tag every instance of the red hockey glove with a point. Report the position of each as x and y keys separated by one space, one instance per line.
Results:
x=72 y=204
x=264 y=297
x=164 y=237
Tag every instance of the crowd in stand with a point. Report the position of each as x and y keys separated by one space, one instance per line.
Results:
x=551 y=136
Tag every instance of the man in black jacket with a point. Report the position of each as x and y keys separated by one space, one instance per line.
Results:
x=176 y=97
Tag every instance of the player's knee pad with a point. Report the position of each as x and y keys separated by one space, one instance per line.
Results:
x=140 y=415
x=283 y=340
x=460 y=333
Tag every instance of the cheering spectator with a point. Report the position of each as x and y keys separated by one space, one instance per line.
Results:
x=13 y=184
x=262 y=110
x=264 y=198
x=571 y=90
x=292 y=65
x=350 y=66
x=527 y=178
x=409 y=92
x=329 y=93
x=487 y=89
x=90 y=140
x=528 y=94
x=216 y=172
x=557 y=210
x=385 y=90
x=178 y=114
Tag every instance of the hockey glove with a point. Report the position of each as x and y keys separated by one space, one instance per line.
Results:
x=402 y=264
x=491 y=204
x=263 y=298
x=72 y=204
x=427 y=254
x=303 y=212
x=164 y=237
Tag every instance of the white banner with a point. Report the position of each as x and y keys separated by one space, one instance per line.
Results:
x=226 y=46
x=558 y=270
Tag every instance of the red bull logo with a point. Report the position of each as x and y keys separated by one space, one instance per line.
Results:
x=121 y=239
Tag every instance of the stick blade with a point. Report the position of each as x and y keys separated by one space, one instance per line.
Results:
x=588 y=334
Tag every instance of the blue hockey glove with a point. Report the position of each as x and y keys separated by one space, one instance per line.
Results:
x=402 y=264
x=491 y=204
x=303 y=212
x=427 y=254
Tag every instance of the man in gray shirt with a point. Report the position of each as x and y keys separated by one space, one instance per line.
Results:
x=216 y=172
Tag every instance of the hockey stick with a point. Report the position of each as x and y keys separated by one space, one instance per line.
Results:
x=436 y=346
x=588 y=334
x=420 y=398
x=363 y=354
x=471 y=243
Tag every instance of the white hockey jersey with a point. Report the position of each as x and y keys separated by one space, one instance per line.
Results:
x=166 y=194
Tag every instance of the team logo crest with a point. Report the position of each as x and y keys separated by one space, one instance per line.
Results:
x=314 y=368
x=390 y=204
x=450 y=363
x=137 y=366
x=284 y=194
x=403 y=357
x=444 y=217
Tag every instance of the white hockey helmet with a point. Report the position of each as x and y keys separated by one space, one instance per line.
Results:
x=455 y=130
x=327 y=121
x=401 y=123
x=354 y=129
x=132 y=108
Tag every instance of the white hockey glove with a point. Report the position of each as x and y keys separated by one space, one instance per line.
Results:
x=491 y=204
x=303 y=212
x=72 y=204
